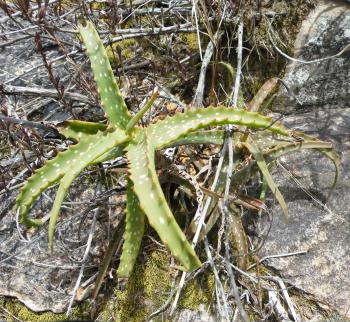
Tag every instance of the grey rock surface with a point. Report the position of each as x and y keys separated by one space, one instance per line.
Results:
x=201 y=315
x=324 y=93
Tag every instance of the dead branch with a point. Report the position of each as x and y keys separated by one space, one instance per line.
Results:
x=43 y=92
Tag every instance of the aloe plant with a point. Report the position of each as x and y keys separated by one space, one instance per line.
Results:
x=123 y=136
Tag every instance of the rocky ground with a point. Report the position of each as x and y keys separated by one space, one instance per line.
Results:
x=323 y=231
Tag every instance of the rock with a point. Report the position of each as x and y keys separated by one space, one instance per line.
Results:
x=324 y=93
x=201 y=315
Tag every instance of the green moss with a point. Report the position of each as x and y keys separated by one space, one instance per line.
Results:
x=197 y=292
x=145 y=290
x=19 y=312
x=191 y=40
x=123 y=49
x=98 y=5
x=148 y=289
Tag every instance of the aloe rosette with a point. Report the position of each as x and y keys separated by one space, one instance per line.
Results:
x=122 y=136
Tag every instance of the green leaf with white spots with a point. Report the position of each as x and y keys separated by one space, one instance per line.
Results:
x=75 y=129
x=172 y=128
x=201 y=137
x=79 y=129
x=141 y=153
x=265 y=139
x=259 y=158
x=90 y=149
x=134 y=229
x=43 y=178
x=112 y=101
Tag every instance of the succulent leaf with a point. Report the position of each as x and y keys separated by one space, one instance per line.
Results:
x=43 y=178
x=74 y=129
x=170 y=129
x=264 y=138
x=78 y=130
x=136 y=118
x=259 y=158
x=141 y=153
x=112 y=101
x=116 y=152
x=135 y=224
x=89 y=150
x=201 y=137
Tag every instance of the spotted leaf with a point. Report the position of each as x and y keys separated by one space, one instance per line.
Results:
x=90 y=149
x=170 y=129
x=112 y=102
x=135 y=224
x=74 y=129
x=201 y=137
x=78 y=129
x=141 y=153
x=44 y=177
